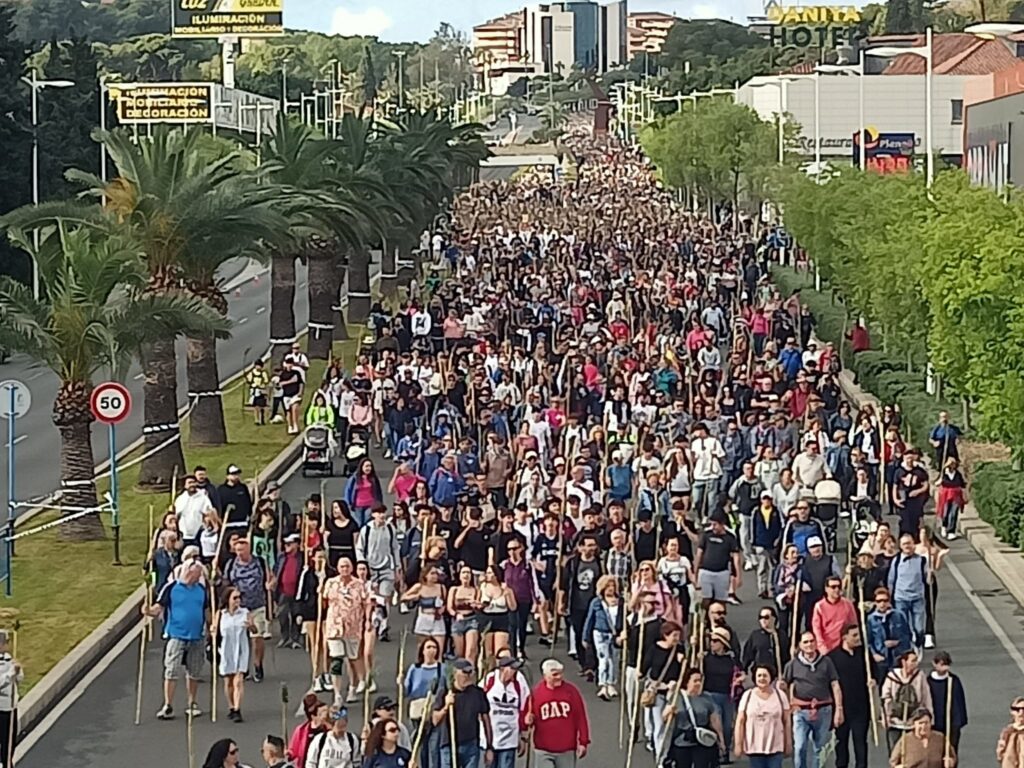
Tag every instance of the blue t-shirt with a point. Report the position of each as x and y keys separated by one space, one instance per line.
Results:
x=621 y=477
x=184 y=610
x=400 y=759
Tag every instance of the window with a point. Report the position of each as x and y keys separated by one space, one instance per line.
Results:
x=956 y=111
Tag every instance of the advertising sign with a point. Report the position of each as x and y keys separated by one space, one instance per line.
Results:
x=140 y=103
x=821 y=26
x=988 y=156
x=216 y=18
x=885 y=152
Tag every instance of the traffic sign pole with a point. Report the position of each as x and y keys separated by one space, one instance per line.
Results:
x=9 y=544
x=111 y=403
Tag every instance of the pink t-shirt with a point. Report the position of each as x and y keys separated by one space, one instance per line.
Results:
x=404 y=485
x=364 y=497
x=764 y=733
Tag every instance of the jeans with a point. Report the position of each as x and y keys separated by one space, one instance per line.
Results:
x=288 y=619
x=914 y=612
x=467 y=755
x=951 y=516
x=607 y=658
x=654 y=725
x=727 y=712
x=855 y=727
x=746 y=544
x=813 y=733
x=577 y=619
x=520 y=618
x=504 y=758
x=360 y=515
x=763 y=561
x=704 y=497
x=765 y=761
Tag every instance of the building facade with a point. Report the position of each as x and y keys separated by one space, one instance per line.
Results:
x=648 y=32
x=994 y=141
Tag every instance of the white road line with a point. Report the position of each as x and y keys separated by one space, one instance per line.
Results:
x=62 y=706
x=139 y=377
x=37 y=374
x=986 y=614
x=260 y=310
x=243 y=320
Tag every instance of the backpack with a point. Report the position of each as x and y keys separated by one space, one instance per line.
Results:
x=905 y=701
x=316 y=747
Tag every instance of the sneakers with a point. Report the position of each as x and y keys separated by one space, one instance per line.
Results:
x=234 y=716
x=319 y=686
x=279 y=419
x=257 y=674
x=373 y=686
x=544 y=642
x=929 y=641
x=612 y=693
x=283 y=642
x=602 y=692
x=193 y=710
x=361 y=686
x=352 y=695
x=734 y=600
x=952 y=536
x=166 y=713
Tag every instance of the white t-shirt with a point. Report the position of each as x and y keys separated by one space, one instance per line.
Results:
x=707 y=455
x=421 y=323
x=190 y=509
x=507 y=702
x=328 y=751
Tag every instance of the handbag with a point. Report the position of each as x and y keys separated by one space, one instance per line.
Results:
x=650 y=692
x=416 y=707
x=704 y=736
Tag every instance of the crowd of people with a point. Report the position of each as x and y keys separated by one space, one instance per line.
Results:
x=596 y=417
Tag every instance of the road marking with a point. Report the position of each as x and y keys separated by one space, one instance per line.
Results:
x=986 y=614
x=243 y=320
x=36 y=375
x=139 y=377
x=260 y=310
x=62 y=706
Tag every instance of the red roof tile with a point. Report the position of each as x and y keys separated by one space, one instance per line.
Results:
x=956 y=54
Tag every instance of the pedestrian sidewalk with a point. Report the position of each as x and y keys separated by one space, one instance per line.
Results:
x=1006 y=562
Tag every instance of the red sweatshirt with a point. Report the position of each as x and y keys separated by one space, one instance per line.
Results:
x=559 y=718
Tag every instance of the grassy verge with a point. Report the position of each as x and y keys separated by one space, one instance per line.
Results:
x=63 y=591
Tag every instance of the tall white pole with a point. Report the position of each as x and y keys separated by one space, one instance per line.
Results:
x=227 y=57
x=35 y=180
x=817 y=123
x=782 y=122
x=929 y=159
x=860 y=107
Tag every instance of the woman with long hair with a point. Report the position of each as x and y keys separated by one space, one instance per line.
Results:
x=382 y=750
x=315 y=713
x=464 y=606
x=233 y=625
x=497 y=604
x=935 y=551
x=363 y=492
x=429 y=596
x=604 y=623
x=422 y=681
x=209 y=536
x=764 y=729
x=223 y=754
x=646 y=581
x=952 y=498
x=659 y=671
x=785 y=581
x=341 y=533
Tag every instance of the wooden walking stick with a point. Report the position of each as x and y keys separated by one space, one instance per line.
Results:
x=451 y=736
x=284 y=712
x=794 y=638
x=174 y=485
x=14 y=695
x=428 y=708
x=214 y=627
x=401 y=672
x=189 y=740
x=622 y=672
x=638 y=691
x=949 y=714
x=149 y=579
x=867 y=666
x=142 y=660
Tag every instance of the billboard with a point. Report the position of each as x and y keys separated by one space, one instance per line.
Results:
x=181 y=103
x=987 y=156
x=216 y=18
x=820 y=26
x=885 y=152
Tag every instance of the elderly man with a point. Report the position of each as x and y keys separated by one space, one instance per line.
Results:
x=347 y=610
x=466 y=702
x=558 y=716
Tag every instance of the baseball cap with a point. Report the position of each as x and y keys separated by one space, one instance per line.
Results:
x=292 y=538
x=338 y=713
x=272 y=485
x=721 y=633
x=531 y=454
x=384 y=702
x=509 y=661
x=463 y=665
x=234 y=469
x=551 y=665
x=766 y=494
x=815 y=541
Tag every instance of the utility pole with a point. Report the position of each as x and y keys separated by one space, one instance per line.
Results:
x=400 y=55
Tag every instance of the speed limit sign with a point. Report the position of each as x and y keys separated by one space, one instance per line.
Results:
x=110 y=402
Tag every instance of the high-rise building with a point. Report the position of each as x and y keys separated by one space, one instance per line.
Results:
x=648 y=31
x=576 y=33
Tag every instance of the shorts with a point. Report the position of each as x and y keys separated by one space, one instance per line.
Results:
x=261 y=627
x=714 y=585
x=343 y=648
x=462 y=627
x=292 y=401
x=547 y=590
x=258 y=401
x=384 y=580
x=494 y=622
x=190 y=653
x=429 y=624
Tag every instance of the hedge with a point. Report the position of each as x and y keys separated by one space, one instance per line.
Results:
x=998 y=489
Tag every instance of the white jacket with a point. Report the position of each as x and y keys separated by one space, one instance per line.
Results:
x=328 y=751
x=8 y=678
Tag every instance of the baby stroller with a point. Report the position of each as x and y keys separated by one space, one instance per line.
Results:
x=317 y=450
x=356 y=450
x=828 y=500
x=866 y=515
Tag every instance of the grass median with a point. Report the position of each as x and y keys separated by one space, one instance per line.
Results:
x=63 y=591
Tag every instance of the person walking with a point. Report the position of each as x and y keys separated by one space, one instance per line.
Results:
x=1010 y=747
x=336 y=747
x=183 y=604
x=948 y=699
x=904 y=691
x=848 y=659
x=601 y=629
x=382 y=747
x=767 y=644
x=717 y=560
x=832 y=616
x=889 y=635
x=764 y=728
x=722 y=673
x=952 y=498
x=315 y=713
x=223 y=754
x=922 y=747
x=233 y=625
x=816 y=699
x=287 y=575
x=467 y=704
x=508 y=697
x=577 y=589
x=273 y=753
x=697 y=736
x=11 y=676
x=250 y=576
x=909 y=575
x=347 y=610
x=558 y=716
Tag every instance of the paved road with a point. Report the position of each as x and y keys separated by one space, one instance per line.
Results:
x=981 y=626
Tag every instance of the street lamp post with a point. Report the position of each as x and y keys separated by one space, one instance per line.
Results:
x=854 y=69
x=926 y=52
x=400 y=55
x=37 y=85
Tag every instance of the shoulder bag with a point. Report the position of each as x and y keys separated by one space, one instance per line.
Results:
x=703 y=736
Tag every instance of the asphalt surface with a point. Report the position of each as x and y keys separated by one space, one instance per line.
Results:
x=979 y=624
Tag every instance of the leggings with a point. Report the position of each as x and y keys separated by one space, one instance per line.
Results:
x=520 y=619
x=930 y=599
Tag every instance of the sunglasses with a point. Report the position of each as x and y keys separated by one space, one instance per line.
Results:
x=717 y=613
x=1017 y=709
x=233 y=751
x=391 y=729
x=765 y=617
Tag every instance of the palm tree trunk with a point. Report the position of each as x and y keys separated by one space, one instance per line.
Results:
x=207 y=417
x=323 y=295
x=72 y=416
x=340 y=324
x=160 y=393
x=389 y=269
x=282 y=304
x=359 y=287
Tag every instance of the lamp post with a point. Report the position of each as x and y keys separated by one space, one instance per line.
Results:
x=400 y=55
x=782 y=84
x=855 y=69
x=927 y=53
x=36 y=86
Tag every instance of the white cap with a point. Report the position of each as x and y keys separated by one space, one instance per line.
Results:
x=551 y=665
x=815 y=541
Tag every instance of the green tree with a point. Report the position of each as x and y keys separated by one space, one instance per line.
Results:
x=39 y=20
x=155 y=59
x=94 y=316
x=16 y=140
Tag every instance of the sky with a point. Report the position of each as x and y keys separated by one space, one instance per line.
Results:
x=408 y=20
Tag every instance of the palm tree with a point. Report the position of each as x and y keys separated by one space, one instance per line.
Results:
x=94 y=316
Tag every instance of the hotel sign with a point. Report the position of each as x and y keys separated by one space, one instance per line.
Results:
x=821 y=26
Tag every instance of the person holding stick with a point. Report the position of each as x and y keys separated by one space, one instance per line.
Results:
x=764 y=729
x=558 y=716
x=11 y=676
x=459 y=714
x=848 y=659
x=921 y=746
x=816 y=699
x=948 y=698
x=695 y=727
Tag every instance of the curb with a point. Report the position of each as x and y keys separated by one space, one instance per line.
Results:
x=59 y=681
